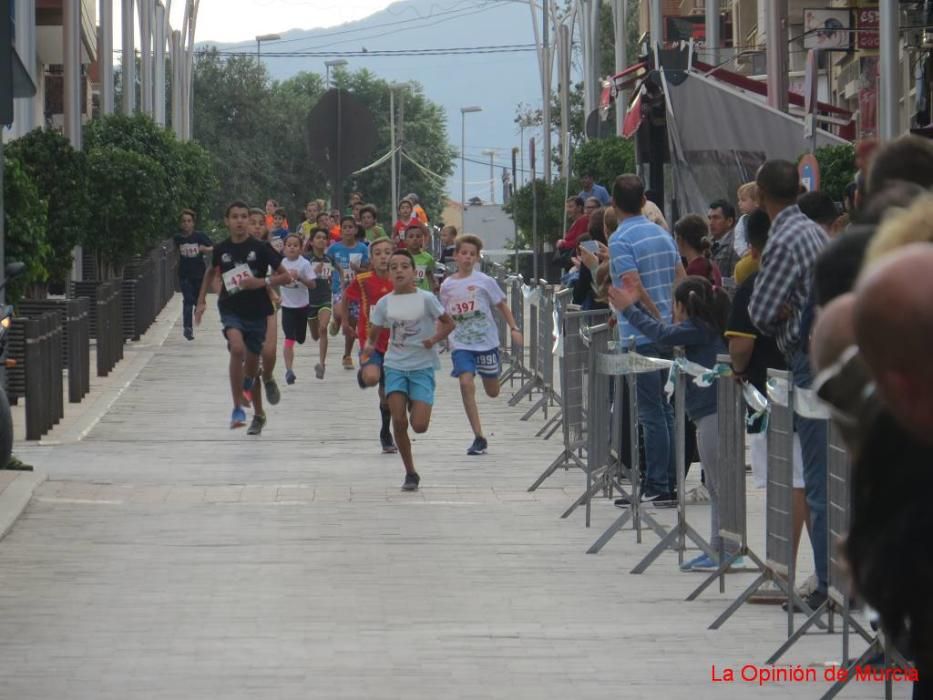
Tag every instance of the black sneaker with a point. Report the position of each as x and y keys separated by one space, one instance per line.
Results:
x=646 y=497
x=478 y=447
x=388 y=444
x=411 y=482
x=255 y=428
x=272 y=392
x=189 y=334
x=813 y=601
x=666 y=500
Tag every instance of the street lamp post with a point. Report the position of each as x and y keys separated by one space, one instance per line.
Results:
x=261 y=38
x=463 y=112
x=334 y=63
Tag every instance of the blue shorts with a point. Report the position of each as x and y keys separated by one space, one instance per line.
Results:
x=416 y=384
x=252 y=329
x=485 y=363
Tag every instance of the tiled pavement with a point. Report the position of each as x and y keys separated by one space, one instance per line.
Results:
x=168 y=557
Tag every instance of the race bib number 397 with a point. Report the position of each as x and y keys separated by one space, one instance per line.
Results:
x=232 y=278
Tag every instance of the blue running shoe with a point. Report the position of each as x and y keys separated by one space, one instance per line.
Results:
x=704 y=563
x=688 y=565
x=238 y=418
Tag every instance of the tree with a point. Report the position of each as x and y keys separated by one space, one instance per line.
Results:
x=25 y=220
x=551 y=217
x=59 y=172
x=128 y=194
x=605 y=159
x=837 y=169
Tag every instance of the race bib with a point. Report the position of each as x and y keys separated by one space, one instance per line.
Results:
x=421 y=271
x=462 y=305
x=232 y=278
x=278 y=244
x=189 y=250
x=326 y=270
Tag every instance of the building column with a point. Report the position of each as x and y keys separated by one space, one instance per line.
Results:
x=71 y=46
x=105 y=56
x=776 y=50
x=128 y=62
x=888 y=70
x=712 y=31
x=159 y=59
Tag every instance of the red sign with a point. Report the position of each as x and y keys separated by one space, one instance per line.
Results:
x=866 y=24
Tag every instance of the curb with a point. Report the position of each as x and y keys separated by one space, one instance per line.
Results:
x=16 y=496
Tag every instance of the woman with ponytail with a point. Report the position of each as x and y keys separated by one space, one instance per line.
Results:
x=692 y=236
x=700 y=315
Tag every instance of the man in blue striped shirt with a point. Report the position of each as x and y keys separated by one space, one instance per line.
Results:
x=646 y=254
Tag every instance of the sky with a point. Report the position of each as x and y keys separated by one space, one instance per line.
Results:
x=239 y=20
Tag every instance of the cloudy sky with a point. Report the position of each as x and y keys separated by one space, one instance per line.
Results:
x=238 y=20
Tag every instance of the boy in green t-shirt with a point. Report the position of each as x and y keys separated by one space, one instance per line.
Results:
x=424 y=261
x=368 y=222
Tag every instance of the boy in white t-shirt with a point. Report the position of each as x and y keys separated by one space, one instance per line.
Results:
x=295 y=301
x=469 y=297
x=416 y=322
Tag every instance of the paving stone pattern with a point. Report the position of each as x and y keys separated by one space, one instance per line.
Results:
x=168 y=557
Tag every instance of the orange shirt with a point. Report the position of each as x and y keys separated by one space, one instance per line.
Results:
x=270 y=222
x=367 y=288
x=335 y=233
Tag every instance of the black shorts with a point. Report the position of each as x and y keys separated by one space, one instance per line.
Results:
x=315 y=309
x=295 y=323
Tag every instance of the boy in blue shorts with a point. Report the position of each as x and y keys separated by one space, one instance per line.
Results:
x=244 y=266
x=350 y=257
x=416 y=322
x=469 y=297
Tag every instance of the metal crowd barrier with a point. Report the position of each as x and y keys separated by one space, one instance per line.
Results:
x=516 y=368
x=44 y=386
x=733 y=523
x=541 y=343
x=573 y=381
x=676 y=538
x=617 y=367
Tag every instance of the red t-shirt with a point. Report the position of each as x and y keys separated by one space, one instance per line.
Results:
x=704 y=267
x=579 y=227
x=367 y=288
x=400 y=228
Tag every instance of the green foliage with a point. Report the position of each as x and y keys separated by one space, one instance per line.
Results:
x=605 y=159
x=130 y=201
x=59 y=173
x=552 y=220
x=255 y=129
x=837 y=169
x=197 y=182
x=25 y=219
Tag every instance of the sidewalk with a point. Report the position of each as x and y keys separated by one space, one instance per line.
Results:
x=169 y=557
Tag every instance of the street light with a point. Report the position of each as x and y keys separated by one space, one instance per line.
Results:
x=264 y=37
x=333 y=63
x=463 y=112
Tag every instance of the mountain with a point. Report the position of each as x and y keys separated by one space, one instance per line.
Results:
x=497 y=82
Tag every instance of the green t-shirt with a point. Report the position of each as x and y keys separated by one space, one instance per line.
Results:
x=375 y=232
x=424 y=270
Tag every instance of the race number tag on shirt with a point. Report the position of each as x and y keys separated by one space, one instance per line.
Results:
x=463 y=305
x=421 y=271
x=189 y=250
x=232 y=278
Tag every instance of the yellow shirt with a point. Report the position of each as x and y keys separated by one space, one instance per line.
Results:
x=744 y=268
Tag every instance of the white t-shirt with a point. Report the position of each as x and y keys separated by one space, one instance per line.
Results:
x=295 y=295
x=411 y=319
x=469 y=301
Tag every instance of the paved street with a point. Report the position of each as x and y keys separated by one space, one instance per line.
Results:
x=168 y=557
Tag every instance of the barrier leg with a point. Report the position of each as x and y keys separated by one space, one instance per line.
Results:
x=672 y=541
x=834 y=690
x=566 y=459
x=802 y=630
x=541 y=403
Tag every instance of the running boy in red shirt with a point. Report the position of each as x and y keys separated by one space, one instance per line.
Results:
x=366 y=289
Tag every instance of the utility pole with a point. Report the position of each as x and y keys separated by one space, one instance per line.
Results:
x=619 y=23
x=393 y=184
x=177 y=81
x=145 y=55
x=712 y=31
x=128 y=60
x=888 y=69
x=492 y=174
x=656 y=23
x=777 y=61
x=401 y=139
x=546 y=92
x=563 y=67
x=105 y=56
x=159 y=56
x=71 y=47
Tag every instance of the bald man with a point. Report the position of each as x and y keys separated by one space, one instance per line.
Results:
x=893 y=326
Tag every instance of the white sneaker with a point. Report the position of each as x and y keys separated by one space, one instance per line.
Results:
x=808 y=586
x=768 y=593
x=697 y=495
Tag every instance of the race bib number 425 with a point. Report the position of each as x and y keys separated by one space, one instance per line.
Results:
x=232 y=278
